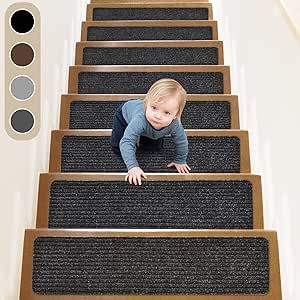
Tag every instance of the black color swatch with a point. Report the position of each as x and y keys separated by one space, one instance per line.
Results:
x=22 y=21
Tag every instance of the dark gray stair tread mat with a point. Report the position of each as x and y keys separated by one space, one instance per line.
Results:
x=155 y=204
x=150 y=56
x=134 y=13
x=196 y=115
x=122 y=33
x=207 y=154
x=140 y=82
x=157 y=265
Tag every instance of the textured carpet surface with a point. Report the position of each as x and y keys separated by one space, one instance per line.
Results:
x=160 y=204
x=196 y=115
x=150 y=265
x=150 y=56
x=206 y=155
x=149 y=33
x=140 y=82
x=150 y=14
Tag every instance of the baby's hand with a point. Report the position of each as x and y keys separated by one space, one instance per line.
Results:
x=181 y=168
x=135 y=175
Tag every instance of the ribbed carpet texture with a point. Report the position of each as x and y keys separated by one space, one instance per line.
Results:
x=140 y=82
x=150 y=265
x=102 y=14
x=206 y=155
x=160 y=204
x=147 y=55
x=148 y=33
x=196 y=115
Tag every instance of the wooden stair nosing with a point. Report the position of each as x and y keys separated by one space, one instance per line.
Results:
x=147 y=44
x=32 y=234
x=75 y=70
x=66 y=101
x=149 y=23
x=46 y=180
x=57 y=135
x=91 y=7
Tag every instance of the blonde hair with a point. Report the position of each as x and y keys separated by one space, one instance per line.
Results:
x=166 y=87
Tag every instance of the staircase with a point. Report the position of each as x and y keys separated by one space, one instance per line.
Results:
x=193 y=236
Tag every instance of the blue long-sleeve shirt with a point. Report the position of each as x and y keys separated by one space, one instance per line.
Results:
x=134 y=114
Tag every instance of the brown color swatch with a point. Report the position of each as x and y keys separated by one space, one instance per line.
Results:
x=22 y=54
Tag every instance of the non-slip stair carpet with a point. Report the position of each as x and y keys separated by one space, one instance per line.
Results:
x=196 y=114
x=140 y=82
x=160 y=204
x=102 y=14
x=149 y=56
x=206 y=155
x=69 y=266
x=148 y=33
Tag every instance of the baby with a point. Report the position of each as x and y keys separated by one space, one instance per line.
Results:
x=146 y=122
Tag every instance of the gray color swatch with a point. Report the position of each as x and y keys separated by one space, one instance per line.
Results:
x=22 y=87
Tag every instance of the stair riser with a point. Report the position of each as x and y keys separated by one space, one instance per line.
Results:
x=232 y=155
x=138 y=79
x=150 y=53
x=148 y=30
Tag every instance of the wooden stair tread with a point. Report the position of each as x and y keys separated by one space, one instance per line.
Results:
x=170 y=5
x=149 y=23
x=220 y=75
x=102 y=137
x=42 y=241
x=162 y=45
x=214 y=180
x=68 y=102
x=145 y=2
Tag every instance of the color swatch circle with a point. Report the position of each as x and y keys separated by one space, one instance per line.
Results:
x=22 y=54
x=22 y=87
x=22 y=121
x=22 y=21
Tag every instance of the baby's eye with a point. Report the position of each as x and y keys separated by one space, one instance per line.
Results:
x=153 y=107
x=167 y=113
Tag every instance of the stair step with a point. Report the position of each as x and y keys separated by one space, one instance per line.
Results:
x=149 y=11
x=210 y=151
x=182 y=264
x=145 y=2
x=150 y=53
x=138 y=79
x=194 y=201
x=149 y=30
x=79 y=111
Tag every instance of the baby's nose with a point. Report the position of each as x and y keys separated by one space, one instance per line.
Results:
x=157 y=115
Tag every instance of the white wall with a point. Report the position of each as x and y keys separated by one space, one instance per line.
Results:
x=264 y=55
x=292 y=8
x=21 y=161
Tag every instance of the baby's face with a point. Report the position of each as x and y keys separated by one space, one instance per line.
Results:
x=163 y=113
